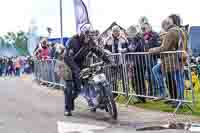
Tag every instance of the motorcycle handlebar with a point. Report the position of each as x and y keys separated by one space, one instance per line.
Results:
x=97 y=64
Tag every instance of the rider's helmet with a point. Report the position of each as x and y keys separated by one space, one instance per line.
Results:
x=88 y=33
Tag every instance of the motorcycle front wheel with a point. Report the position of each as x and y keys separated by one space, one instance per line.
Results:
x=111 y=107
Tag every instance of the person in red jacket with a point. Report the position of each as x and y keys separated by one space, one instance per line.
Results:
x=45 y=50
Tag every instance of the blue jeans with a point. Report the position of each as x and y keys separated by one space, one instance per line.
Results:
x=150 y=62
x=69 y=101
x=179 y=78
x=176 y=84
x=159 y=79
x=75 y=73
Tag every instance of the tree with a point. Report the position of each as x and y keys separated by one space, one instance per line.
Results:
x=10 y=37
x=17 y=40
x=2 y=42
x=21 y=41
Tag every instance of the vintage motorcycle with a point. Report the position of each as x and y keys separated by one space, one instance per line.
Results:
x=97 y=89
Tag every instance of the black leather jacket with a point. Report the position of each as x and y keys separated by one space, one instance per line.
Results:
x=77 y=52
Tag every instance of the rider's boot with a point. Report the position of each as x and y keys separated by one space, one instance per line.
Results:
x=68 y=113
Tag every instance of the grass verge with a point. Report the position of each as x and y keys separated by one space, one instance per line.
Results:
x=161 y=106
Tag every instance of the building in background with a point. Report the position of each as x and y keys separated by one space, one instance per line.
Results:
x=107 y=32
x=194 y=40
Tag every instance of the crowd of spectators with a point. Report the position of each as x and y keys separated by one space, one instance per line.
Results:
x=16 y=66
x=50 y=55
x=142 y=38
x=151 y=71
x=46 y=50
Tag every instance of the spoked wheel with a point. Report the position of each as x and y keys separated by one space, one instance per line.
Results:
x=111 y=107
x=93 y=110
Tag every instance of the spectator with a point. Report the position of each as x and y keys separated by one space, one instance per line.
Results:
x=10 y=67
x=59 y=51
x=117 y=44
x=45 y=50
x=26 y=66
x=31 y=65
x=1 y=66
x=135 y=44
x=38 y=54
x=17 y=67
x=58 y=48
x=142 y=21
x=64 y=72
x=151 y=40
x=4 y=67
x=157 y=72
x=22 y=63
x=195 y=80
x=53 y=51
x=175 y=40
x=44 y=56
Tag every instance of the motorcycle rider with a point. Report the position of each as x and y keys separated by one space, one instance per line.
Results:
x=76 y=53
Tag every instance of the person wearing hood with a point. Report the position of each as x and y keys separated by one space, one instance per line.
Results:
x=116 y=43
x=157 y=71
x=175 y=40
x=135 y=44
x=45 y=50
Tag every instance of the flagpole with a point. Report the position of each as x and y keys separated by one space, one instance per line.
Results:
x=61 y=23
x=77 y=29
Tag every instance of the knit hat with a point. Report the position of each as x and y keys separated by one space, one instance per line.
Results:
x=115 y=28
x=132 y=31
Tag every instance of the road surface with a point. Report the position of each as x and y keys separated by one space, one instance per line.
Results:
x=27 y=107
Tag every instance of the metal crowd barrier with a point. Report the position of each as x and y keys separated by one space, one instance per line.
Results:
x=152 y=76
x=159 y=76
x=45 y=72
x=142 y=75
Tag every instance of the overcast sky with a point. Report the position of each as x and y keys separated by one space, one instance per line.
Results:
x=17 y=14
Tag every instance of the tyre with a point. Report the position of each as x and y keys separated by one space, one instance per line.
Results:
x=93 y=110
x=111 y=107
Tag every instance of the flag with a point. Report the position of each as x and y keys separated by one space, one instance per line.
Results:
x=81 y=13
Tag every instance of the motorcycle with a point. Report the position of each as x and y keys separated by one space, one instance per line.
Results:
x=97 y=90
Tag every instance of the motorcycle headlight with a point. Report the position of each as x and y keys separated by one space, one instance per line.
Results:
x=99 y=78
x=98 y=68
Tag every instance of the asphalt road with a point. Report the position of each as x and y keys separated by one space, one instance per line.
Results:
x=29 y=108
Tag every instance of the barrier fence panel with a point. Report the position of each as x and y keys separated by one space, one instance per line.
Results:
x=158 y=76
x=45 y=72
x=116 y=74
x=142 y=75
